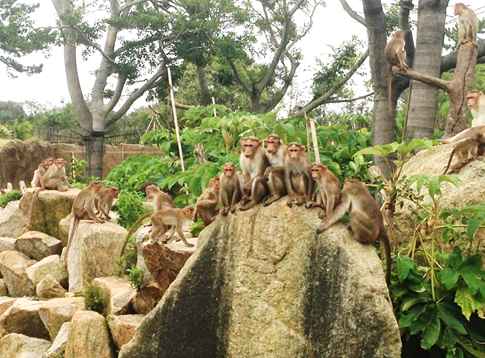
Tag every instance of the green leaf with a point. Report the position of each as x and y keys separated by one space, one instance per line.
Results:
x=469 y=302
x=448 y=277
x=407 y=319
x=473 y=225
x=432 y=330
x=434 y=186
x=420 y=179
x=450 y=178
x=404 y=266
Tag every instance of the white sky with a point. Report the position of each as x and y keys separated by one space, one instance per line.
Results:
x=331 y=26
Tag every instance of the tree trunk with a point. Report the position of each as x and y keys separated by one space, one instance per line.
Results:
x=94 y=155
x=383 y=125
x=205 y=93
x=429 y=43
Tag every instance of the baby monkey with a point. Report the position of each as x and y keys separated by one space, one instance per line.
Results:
x=461 y=150
x=365 y=217
x=395 y=56
x=329 y=188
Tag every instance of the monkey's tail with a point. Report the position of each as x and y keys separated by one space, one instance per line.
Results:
x=384 y=239
x=31 y=211
x=449 y=161
x=133 y=228
x=71 y=235
x=389 y=90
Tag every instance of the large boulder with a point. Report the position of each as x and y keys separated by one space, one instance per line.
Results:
x=123 y=327
x=13 y=266
x=49 y=287
x=54 y=313
x=23 y=317
x=12 y=220
x=471 y=190
x=261 y=283
x=21 y=346
x=59 y=344
x=89 y=337
x=7 y=243
x=117 y=293
x=50 y=207
x=50 y=265
x=93 y=253
x=38 y=245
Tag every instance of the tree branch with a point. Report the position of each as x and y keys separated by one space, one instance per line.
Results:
x=449 y=61
x=350 y=100
x=352 y=13
x=430 y=80
x=238 y=77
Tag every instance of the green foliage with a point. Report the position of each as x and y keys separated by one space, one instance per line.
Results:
x=76 y=170
x=12 y=195
x=94 y=299
x=129 y=208
x=10 y=111
x=21 y=129
x=135 y=275
x=129 y=258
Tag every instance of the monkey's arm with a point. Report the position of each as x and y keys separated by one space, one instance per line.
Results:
x=338 y=213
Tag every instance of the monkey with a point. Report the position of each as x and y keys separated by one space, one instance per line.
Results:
x=275 y=174
x=253 y=163
x=40 y=171
x=395 y=56
x=467 y=24
x=52 y=179
x=143 y=187
x=298 y=176
x=329 y=188
x=103 y=201
x=83 y=209
x=207 y=202
x=461 y=150
x=161 y=219
x=159 y=198
x=476 y=103
x=230 y=189
x=467 y=133
x=366 y=219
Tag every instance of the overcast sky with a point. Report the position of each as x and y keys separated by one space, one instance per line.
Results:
x=332 y=26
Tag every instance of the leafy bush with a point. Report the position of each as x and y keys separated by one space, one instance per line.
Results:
x=76 y=170
x=135 y=275
x=12 y=195
x=129 y=208
x=94 y=299
x=129 y=258
x=22 y=130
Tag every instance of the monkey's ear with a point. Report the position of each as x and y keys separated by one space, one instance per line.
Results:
x=281 y=141
x=480 y=92
x=260 y=143
x=302 y=148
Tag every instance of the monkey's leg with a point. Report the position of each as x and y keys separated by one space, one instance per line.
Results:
x=236 y=198
x=181 y=234
x=259 y=191
x=276 y=186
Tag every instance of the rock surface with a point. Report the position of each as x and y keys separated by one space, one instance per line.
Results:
x=59 y=344
x=50 y=265
x=123 y=327
x=7 y=244
x=38 y=245
x=12 y=220
x=23 y=317
x=20 y=346
x=54 y=313
x=117 y=292
x=13 y=266
x=49 y=287
x=88 y=337
x=93 y=253
x=262 y=284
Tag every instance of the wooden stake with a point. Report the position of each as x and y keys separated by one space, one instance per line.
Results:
x=175 y=120
x=314 y=137
x=214 y=102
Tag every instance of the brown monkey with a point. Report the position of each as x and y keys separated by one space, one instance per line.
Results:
x=160 y=221
x=395 y=56
x=476 y=103
x=159 y=198
x=230 y=192
x=206 y=204
x=145 y=185
x=329 y=188
x=467 y=24
x=275 y=174
x=467 y=133
x=38 y=173
x=253 y=163
x=83 y=209
x=103 y=201
x=298 y=176
x=461 y=150
x=365 y=217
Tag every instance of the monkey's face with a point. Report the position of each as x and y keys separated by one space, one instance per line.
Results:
x=249 y=147
x=60 y=163
x=229 y=170
x=472 y=99
x=214 y=182
x=318 y=170
x=294 y=150
x=459 y=8
x=272 y=144
x=96 y=185
x=114 y=192
x=152 y=190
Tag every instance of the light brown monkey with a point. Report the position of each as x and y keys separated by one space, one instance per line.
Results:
x=83 y=209
x=159 y=198
x=476 y=103
x=461 y=150
x=231 y=188
x=160 y=221
x=467 y=133
x=253 y=162
x=38 y=173
x=395 y=56
x=365 y=217
x=298 y=176
x=143 y=187
x=205 y=208
x=275 y=174
x=103 y=201
x=467 y=24
x=329 y=188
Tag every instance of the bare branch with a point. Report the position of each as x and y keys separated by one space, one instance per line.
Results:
x=117 y=95
x=430 y=80
x=130 y=4
x=352 y=13
x=350 y=100
x=238 y=77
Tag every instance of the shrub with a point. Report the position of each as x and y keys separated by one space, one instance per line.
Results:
x=10 y=196
x=94 y=299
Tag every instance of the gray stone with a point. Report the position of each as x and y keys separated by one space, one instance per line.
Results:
x=265 y=285
x=59 y=344
x=54 y=313
x=123 y=327
x=49 y=287
x=38 y=245
x=12 y=220
x=7 y=243
x=118 y=293
x=23 y=317
x=50 y=265
x=13 y=266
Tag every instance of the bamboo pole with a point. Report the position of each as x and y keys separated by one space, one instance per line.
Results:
x=214 y=102
x=175 y=120
x=314 y=137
